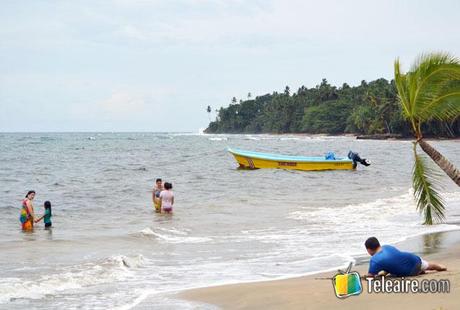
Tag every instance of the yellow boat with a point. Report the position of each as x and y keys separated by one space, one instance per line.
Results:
x=256 y=160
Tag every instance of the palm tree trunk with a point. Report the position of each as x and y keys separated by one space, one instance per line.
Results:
x=441 y=161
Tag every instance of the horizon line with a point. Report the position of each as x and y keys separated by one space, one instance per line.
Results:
x=106 y=131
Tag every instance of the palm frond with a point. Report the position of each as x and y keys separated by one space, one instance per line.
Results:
x=429 y=90
x=445 y=105
x=401 y=86
x=432 y=79
x=425 y=181
x=428 y=62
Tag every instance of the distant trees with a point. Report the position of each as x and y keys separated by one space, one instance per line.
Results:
x=369 y=108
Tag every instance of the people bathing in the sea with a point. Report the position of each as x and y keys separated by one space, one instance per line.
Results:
x=46 y=216
x=167 y=198
x=27 y=215
x=157 y=188
x=387 y=259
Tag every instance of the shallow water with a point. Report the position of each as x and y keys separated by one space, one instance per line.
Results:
x=108 y=248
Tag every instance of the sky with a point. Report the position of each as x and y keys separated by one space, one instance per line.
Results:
x=138 y=65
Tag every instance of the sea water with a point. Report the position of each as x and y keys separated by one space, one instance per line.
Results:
x=108 y=249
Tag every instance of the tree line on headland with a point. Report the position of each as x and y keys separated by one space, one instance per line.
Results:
x=421 y=102
x=368 y=109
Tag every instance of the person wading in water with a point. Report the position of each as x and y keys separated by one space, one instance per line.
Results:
x=27 y=212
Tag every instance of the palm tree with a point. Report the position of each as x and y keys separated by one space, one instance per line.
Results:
x=287 y=91
x=430 y=90
x=209 y=109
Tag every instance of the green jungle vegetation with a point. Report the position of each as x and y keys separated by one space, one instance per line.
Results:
x=368 y=109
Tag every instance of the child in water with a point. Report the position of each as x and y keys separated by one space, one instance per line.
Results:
x=47 y=216
x=167 y=198
x=156 y=194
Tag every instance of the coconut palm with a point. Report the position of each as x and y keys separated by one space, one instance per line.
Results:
x=430 y=90
x=209 y=109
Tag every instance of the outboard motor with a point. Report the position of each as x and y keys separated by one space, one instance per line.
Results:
x=356 y=159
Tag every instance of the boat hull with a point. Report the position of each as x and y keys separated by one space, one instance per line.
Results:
x=254 y=161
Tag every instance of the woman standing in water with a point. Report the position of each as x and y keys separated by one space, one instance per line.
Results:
x=27 y=212
x=167 y=198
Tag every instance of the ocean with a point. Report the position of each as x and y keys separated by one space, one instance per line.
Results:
x=108 y=249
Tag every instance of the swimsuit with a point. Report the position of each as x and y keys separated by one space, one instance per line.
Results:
x=167 y=197
x=25 y=218
x=156 y=202
x=47 y=218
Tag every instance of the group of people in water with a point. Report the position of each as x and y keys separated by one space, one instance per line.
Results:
x=386 y=259
x=383 y=258
x=162 y=196
x=27 y=216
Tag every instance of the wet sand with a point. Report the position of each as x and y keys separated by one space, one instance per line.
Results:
x=316 y=291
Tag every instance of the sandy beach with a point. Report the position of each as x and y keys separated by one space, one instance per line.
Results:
x=316 y=291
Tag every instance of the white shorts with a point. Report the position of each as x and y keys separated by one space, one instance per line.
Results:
x=423 y=264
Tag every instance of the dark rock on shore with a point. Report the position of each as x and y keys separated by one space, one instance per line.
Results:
x=384 y=136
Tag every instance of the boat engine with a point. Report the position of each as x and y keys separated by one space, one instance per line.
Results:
x=357 y=159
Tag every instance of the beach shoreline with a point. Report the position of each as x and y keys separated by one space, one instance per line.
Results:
x=315 y=291
x=345 y=135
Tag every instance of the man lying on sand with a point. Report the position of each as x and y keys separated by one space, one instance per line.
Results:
x=389 y=260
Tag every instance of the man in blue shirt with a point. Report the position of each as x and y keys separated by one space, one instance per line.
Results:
x=389 y=259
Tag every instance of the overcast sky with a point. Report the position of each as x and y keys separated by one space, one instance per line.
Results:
x=127 y=65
